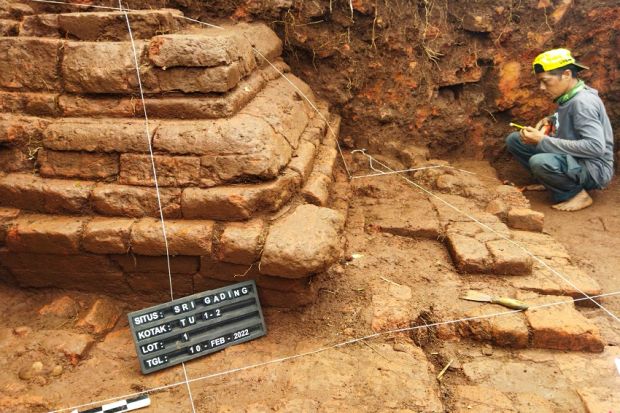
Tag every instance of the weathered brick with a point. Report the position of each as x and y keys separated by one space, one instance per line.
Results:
x=147 y=264
x=29 y=63
x=101 y=135
x=107 y=235
x=241 y=243
x=225 y=271
x=240 y=202
x=207 y=48
x=46 y=234
x=98 y=26
x=404 y=219
x=155 y=286
x=298 y=285
x=136 y=169
x=21 y=130
x=326 y=160
x=36 y=104
x=468 y=254
x=117 y=75
x=14 y=159
x=40 y=25
x=526 y=219
x=316 y=190
x=187 y=237
x=303 y=243
x=508 y=330
x=279 y=105
x=131 y=201
x=303 y=160
x=562 y=327
x=7 y=217
x=101 y=317
x=509 y=258
x=283 y=299
x=192 y=79
x=261 y=37
x=54 y=196
x=9 y=27
x=77 y=164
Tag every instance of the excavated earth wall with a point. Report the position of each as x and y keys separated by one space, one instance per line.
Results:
x=244 y=163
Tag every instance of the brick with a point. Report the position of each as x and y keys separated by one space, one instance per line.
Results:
x=187 y=237
x=222 y=142
x=303 y=160
x=101 y=316
x=9 y=27
x=73 y=345
x=155 y=286
x=107 y=235
x=118 y=75
x=326 y=160
x=193 y=79
x=40 y=25
x=46 y=234
x=7 y=217
x=207 y=48
x=101 y=135
x=131 y=201
x=303 y=243
x=14 y=159
x=203 y=283
x=506 y=331
x=526 y=219
x=316 y=190
x=541 y=245
x=263 y=39
x=36 y=104
x=147 y=264
x=298 y=285
x=240 y=202
x=29 y=63
x=404 y=219
x=111 y=26
x=390 y=308
x=136 y=169
x=53 y=196
x=184 y=107
x=282 y=299
x=63 y=307
x=468 y=254
x=225 y=271
x=21 y=131
x=287 y=113
x=562 y=327
x=241 y=243
x=509 y=258
x=77 y=164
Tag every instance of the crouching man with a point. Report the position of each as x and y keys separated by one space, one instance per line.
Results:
x=571 y=151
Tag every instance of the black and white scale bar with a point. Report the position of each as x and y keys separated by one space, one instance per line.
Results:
x=121 y=406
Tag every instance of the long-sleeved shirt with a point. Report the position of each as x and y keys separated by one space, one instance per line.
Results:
x=584 y=132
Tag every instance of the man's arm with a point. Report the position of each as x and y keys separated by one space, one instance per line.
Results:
x=590 y=142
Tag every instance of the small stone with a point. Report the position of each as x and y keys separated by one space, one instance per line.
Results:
x=487 y=350
x=446 y=182
x=57 y=370
x=22 y=331
x=349 y=332
x=498 y=208
x=63 y=307
x=37 y=367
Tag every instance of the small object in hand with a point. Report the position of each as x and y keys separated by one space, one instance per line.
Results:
x=515 y=125
x=503 y=301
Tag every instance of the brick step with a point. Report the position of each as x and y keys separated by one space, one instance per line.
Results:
x=202 y=61
x=106 y=25
x=559 y=327
x=170 y=106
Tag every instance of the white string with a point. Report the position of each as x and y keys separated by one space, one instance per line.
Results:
x=159 y=204
x=338 y=345
x=481 y=224
x=400 y=171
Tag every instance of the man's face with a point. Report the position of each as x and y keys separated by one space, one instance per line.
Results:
x=554 y=85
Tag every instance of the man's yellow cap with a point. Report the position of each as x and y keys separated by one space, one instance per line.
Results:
x=555 y=59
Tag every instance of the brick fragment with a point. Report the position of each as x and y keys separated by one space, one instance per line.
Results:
x=101 y=317
x=55 y=196
x=282 y=299
x=107 y=235
x=136 y=169
x=77 y=164
x=507 y=331
x=239 y=202
x=35 y=104
x=225 y=271
x=148 y=264
x=101 y=135
x=303 y=160
x=193 y=79
x=316 y=190
x=131 y=201
x=46 y=234
x=187 y=237
x=562 y=327
x=526 y=219
x=29 y=64
x=40 y=25
x=261 y=37
x=9 y=27
x=240 y=243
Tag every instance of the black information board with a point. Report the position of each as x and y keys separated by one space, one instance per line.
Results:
x=190 y=327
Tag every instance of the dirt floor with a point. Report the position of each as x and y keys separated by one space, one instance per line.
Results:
x=57 y=356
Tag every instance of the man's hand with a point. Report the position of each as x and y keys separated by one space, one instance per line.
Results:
x=542 y=123
x=531 y=136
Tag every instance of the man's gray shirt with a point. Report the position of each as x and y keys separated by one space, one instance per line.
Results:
x=584 y=132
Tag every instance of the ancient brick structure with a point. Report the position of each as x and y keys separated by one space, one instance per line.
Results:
x=243 y=162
